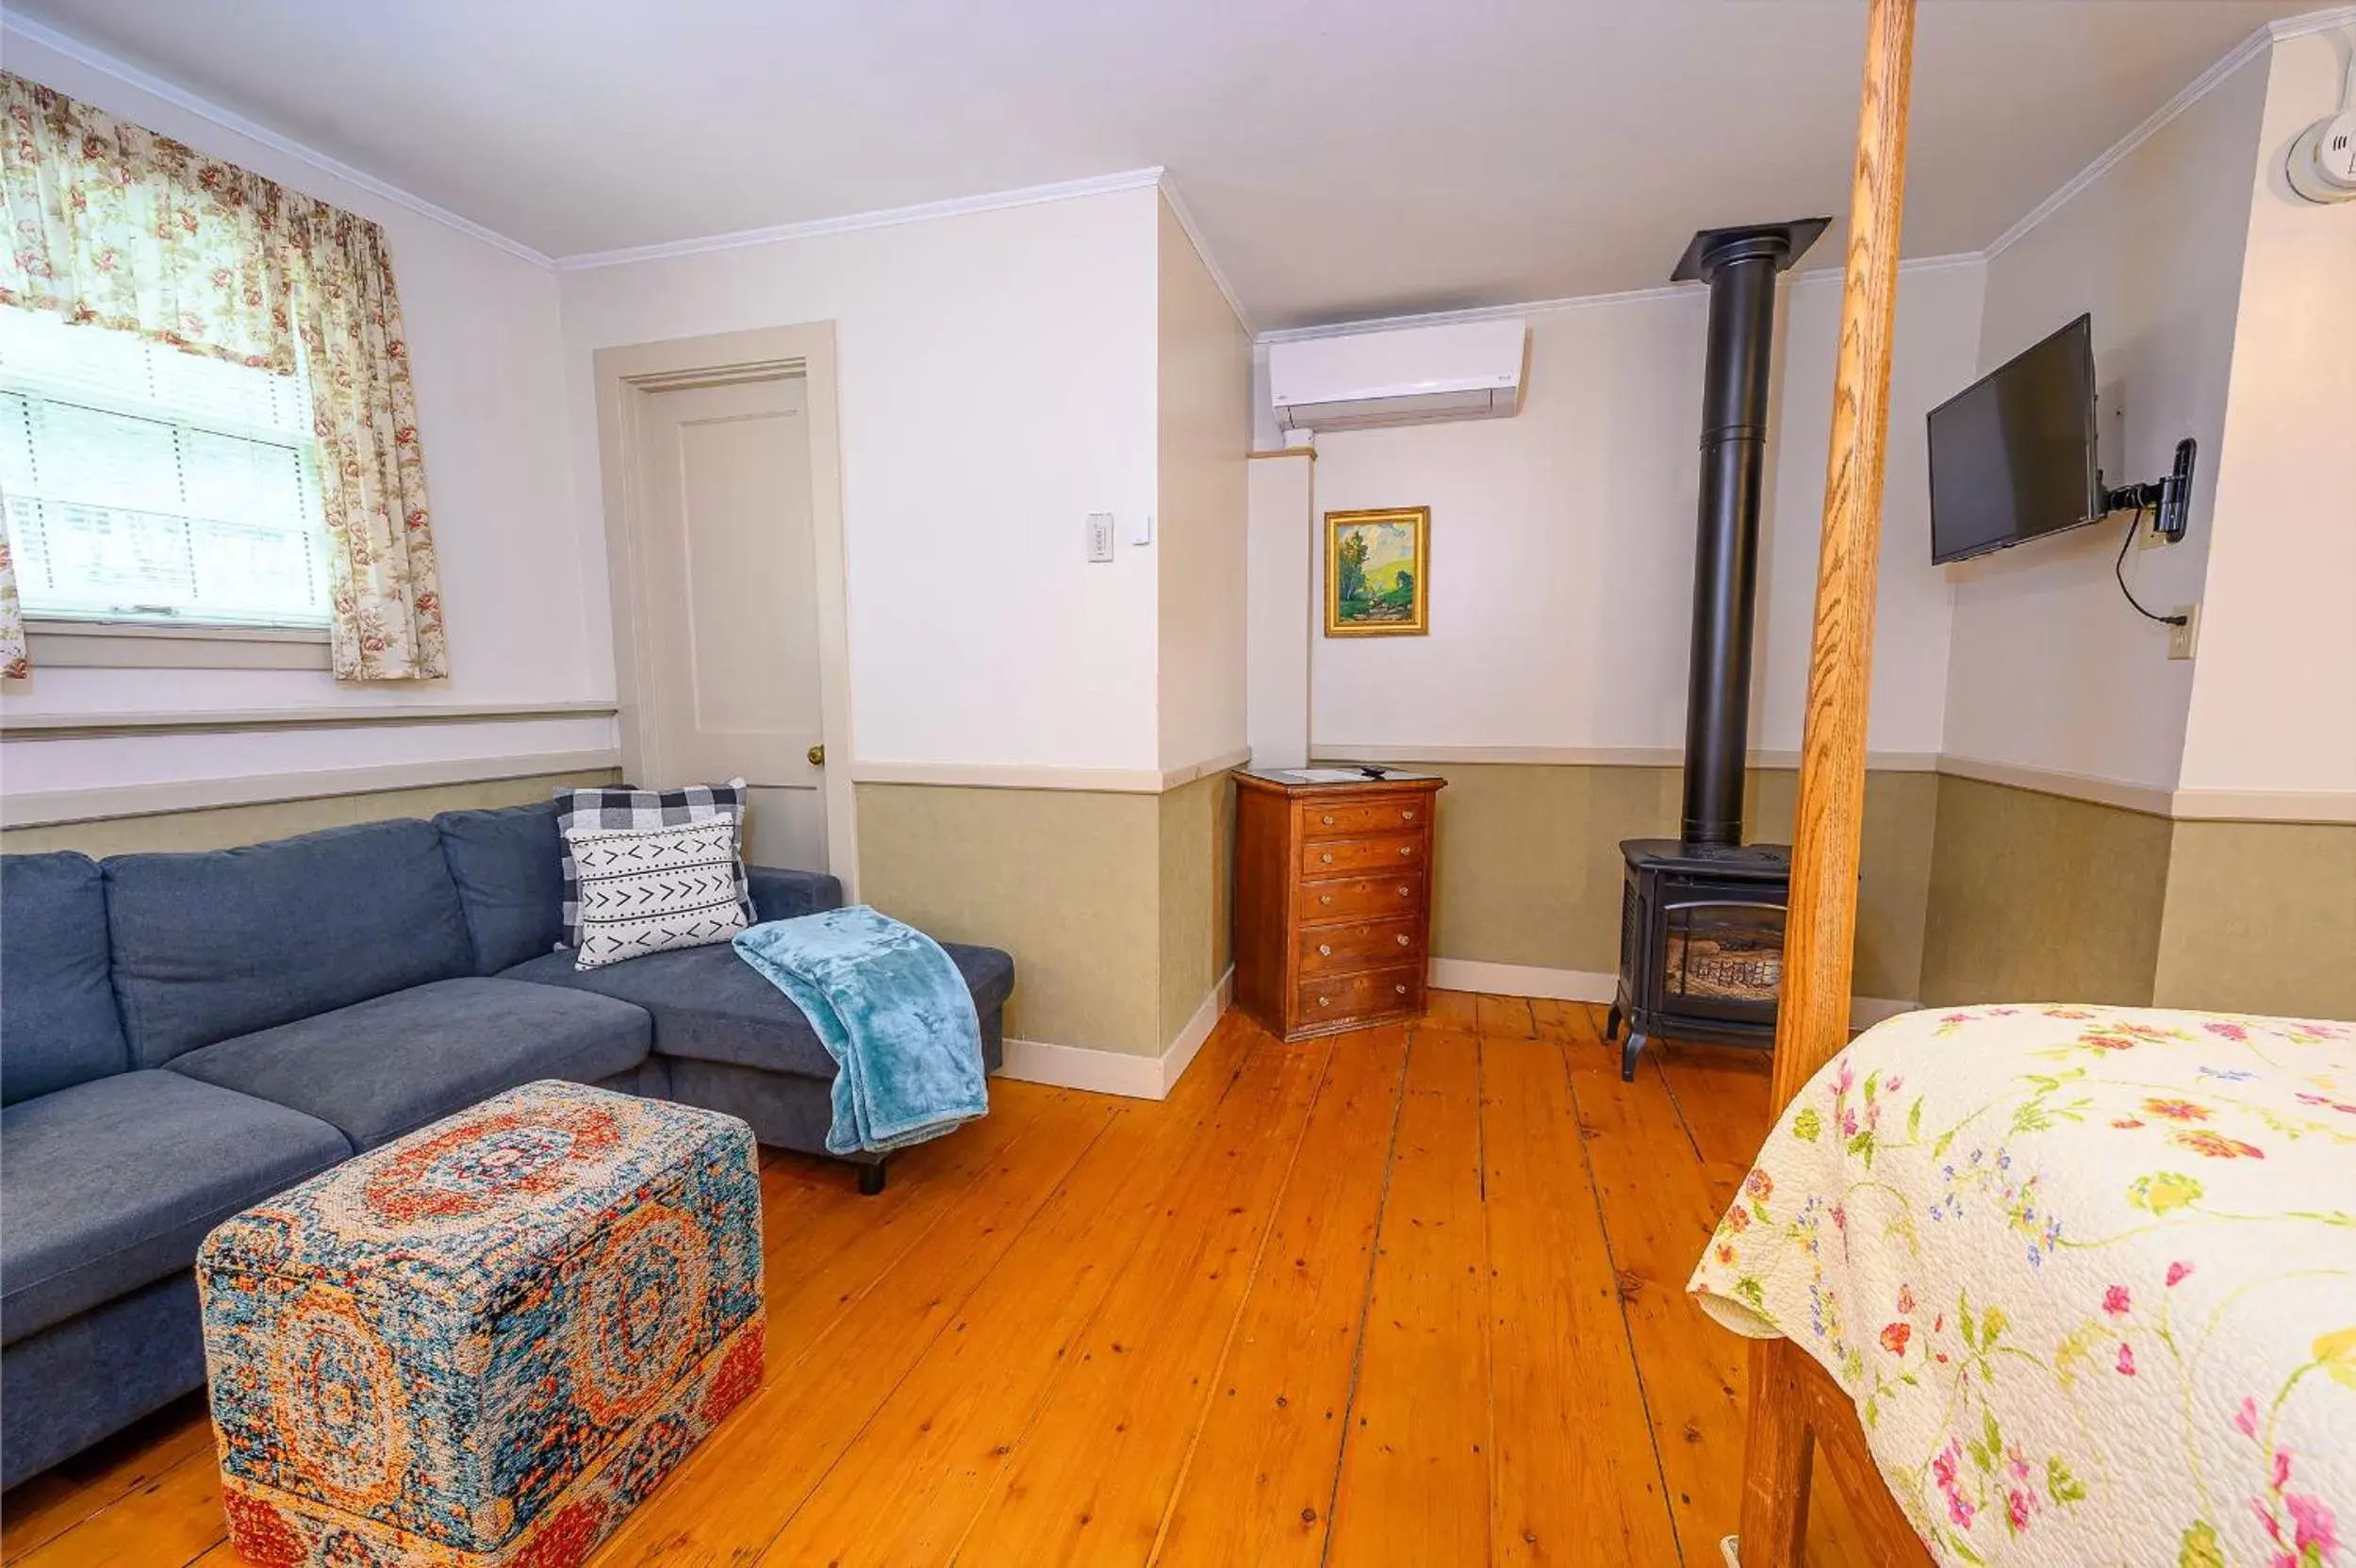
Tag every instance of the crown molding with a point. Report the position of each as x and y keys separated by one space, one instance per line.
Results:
x=1575 y=302
x=229 y=120
x=1202 y=252
x=2255 y=47
x=855 y=222
x=2331 y=17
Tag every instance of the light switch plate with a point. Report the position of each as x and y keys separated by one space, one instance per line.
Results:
x=1140 y=531
x=1099 y=536
x=2183 y=639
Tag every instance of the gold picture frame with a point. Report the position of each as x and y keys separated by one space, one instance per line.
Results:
x=1373 y=550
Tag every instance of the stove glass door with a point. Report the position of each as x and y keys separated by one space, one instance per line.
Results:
x=1721 y=957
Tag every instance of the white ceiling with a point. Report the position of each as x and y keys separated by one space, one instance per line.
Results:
x=1342 y=158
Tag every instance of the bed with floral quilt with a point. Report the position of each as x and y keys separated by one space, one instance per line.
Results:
x=2089 y=1274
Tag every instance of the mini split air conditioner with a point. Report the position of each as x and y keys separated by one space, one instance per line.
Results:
x=1416 y=375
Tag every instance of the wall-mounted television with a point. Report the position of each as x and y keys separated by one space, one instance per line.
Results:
x=2012 y=454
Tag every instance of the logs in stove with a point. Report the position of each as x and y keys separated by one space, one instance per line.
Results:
x=1702 y=916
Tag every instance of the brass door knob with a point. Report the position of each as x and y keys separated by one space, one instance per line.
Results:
x=817 y=756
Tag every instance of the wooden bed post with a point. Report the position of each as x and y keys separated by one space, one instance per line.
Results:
x=1812 y=1015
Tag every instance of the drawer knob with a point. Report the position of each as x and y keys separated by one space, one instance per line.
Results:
x=1327 y=856
x=1401 y=988
x=1407 y=815
x=1326 y=819
x=1404 y=890
x=1403 y=939
x=1323 y=1002
x=1406 y=850
x=1323 y=950
x=1328 y=898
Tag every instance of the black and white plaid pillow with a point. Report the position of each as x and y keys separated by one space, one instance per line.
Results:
x=619 y=806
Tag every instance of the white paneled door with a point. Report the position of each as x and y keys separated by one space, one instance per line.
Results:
x=728 y=607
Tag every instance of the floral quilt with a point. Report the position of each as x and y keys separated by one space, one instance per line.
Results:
x=2088 y=1272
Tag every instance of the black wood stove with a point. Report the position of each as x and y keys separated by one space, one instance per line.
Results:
x=1702 y=916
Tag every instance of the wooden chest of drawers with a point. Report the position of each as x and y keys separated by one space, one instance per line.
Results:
x=1332 y=900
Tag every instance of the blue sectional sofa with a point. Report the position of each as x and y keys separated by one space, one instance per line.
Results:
x=182 y=1035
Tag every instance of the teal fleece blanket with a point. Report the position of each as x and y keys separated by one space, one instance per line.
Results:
x=893 y=1012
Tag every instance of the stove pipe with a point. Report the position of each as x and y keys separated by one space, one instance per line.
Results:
x=1739 y=265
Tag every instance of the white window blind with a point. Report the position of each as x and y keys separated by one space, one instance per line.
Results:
x=147 y=483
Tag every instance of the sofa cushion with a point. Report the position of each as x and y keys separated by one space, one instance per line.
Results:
x=110 y=1184
x=56 y=1003
x=710 y=1005
x=223 y=943
x=508 y=864
x=780 y=895
x=381 y=1068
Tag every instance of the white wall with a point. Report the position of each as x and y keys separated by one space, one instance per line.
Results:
x=2273 y=703
x=1936 y=345
x=1562 y=539
x=520 y=600
x=1204 y=359
x=998 y=385
x=2049 y=667
x=1281 y=590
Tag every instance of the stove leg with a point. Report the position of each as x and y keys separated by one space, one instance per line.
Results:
x=1628 y=1054
x=1612 y=1023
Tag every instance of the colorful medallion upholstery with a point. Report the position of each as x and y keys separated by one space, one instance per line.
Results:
x=480 y=1345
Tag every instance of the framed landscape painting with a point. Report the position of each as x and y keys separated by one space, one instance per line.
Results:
x=1375 y=572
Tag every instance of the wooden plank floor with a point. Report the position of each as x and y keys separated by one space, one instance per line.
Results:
x=1413 y=1295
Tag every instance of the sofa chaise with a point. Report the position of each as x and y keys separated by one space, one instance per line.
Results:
x=182 y=1035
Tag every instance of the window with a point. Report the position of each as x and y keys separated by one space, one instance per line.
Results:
x=148 y=484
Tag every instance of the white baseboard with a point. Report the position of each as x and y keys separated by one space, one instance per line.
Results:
x=1525 y=980
x=1113 y=1072
x=1521 y=980
x=1182 y=1051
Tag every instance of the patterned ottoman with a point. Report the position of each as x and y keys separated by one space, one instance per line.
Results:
x=479 y=1346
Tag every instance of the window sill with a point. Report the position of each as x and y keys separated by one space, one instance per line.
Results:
x=142 y=645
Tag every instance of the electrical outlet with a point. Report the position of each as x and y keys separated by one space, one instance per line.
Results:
x=2181 y=639
x=1099 y=536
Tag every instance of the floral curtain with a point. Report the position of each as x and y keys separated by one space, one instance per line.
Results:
x=111 y=225
x=14 y=666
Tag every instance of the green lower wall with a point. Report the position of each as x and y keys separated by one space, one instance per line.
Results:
x=1114 y=905
x=1197 y=867
x=2261 y=917
x=1065 y=879
x=2040 y=898
x=224 y=827
x=1529 y=866
x=1968 y=891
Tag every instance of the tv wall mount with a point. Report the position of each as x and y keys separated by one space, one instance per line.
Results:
x=2169 y=499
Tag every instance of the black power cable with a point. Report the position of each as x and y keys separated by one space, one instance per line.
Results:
x=2119 y=569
